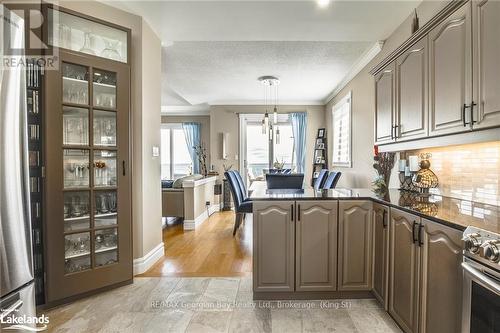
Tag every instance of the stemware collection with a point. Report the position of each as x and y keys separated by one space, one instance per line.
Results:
x=90 y=41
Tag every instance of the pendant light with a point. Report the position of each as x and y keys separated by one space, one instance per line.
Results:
x=278 y=139
x=270 y=84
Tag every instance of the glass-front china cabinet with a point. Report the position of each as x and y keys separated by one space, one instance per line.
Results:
x=88 y=191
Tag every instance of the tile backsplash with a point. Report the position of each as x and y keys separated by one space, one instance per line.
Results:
x=469 y=172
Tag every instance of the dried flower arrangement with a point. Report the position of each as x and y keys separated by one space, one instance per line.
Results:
x=384 y=162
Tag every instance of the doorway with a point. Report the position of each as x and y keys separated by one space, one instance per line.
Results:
x=263 y=146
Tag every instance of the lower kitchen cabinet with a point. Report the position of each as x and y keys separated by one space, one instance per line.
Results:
x=273 y=246
x=381 y=253
x=425 y=276
x=404 y=270
x=355 y=245
x=441 y=278
x=316 y=246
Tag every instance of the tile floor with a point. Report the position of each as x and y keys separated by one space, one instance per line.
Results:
x=212 y=305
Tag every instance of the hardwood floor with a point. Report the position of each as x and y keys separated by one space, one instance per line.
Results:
x=210 y=251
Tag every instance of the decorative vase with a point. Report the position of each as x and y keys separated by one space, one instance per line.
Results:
x=425 y=179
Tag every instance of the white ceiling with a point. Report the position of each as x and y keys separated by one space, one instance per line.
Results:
x=214 y=51
x=221 y=73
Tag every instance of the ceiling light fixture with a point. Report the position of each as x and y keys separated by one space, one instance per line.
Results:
x=323 y=3
x=270 y=84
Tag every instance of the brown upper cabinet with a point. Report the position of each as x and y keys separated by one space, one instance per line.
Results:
x=385 y=114
x=316 y=246
x=355 y=245
x=446 y=80
x=450 y=83
x=486 y=40
x=381 y=253
x=411 y=88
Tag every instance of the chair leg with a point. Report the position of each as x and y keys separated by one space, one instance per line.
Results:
x=237 y=222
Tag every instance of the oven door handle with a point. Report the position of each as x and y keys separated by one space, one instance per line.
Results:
x=482 y=278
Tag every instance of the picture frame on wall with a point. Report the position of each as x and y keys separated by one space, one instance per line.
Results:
x=321 y=133
x=318 y=141
x=321 y=146
x=318 y=153
x=316 y=174
x=318 y=160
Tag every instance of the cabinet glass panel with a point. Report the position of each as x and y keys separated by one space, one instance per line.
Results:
x=75 y=126
x=106 y=258
x=106 y=246
x=75 y=84
x=77 y=252
x=82 y=35
x=104 y=128
x=76 y=211
x=104 y=168
x=76 y=168
x=105 y=206
x=104 y=84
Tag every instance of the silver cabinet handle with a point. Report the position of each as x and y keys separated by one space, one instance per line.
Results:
x=11 y=309
x=486 y=281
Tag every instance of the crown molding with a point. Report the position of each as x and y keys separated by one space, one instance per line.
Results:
x=361 y=63
x=185 y=110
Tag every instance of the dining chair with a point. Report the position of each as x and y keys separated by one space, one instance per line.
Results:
x=241 y=207
x=243 y=189
x=318 y=183
x=332 y=180
x=283 y=181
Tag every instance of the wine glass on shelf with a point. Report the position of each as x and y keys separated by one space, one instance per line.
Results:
x=88 y=44
x=111 y=49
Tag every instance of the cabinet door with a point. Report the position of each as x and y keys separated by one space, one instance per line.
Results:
x=450 y=67
x=411 y=88
x=486 y=30
x=441 y=291
x=89 y=237
x=381 y=253
x=316 y=246
x=273 y=246
x=404 y=270
x=355 y=245
x=384 y=105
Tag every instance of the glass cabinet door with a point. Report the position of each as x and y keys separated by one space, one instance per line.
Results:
x=83 y=35
x=89 y=230
x=93 y=207
x=92 y=167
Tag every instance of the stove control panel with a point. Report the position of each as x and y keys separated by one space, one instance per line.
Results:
x=482 y=245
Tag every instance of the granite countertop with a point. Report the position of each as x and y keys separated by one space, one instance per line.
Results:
x=456 y=213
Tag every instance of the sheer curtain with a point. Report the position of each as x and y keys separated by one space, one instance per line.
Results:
x=192 y=133
x=299 y=129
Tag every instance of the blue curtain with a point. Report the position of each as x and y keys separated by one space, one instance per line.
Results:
x=299 y=129
x=192 y=134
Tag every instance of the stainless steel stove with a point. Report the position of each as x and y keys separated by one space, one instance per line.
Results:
x=481 y=291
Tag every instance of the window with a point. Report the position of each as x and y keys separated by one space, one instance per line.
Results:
x=259 y=150
x=175 y=159
x=341 y=118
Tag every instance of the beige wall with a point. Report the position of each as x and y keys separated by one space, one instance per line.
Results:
x=363 y=106
x=205 y=128
x=225 y=119
x=145 y=115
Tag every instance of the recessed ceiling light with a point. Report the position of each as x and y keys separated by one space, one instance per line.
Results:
x=323 y=3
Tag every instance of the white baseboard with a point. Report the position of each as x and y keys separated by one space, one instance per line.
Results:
x=141 y=265
x=192 y=224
